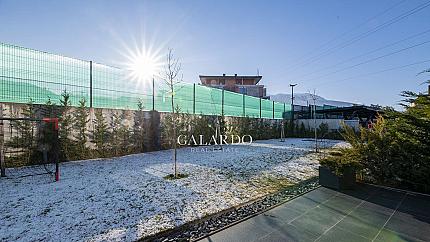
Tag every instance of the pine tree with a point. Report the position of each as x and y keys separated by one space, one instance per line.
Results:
x=65 y=129
x=302 y=131
x=139 y=128
x=222 y=124
x=80 y=126
x=100 y=133
x=323 y=130
x=49 y=109
x=46 y=130
x=25 y=138
x=124 y=133
x=115 y=124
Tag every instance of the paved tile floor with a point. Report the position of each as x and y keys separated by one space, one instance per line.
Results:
x=367 y=213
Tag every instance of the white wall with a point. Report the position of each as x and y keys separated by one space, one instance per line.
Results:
x=333 y=124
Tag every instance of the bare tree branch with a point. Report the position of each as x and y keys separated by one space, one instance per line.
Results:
x=171 y=77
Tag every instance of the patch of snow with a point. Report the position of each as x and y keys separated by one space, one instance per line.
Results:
x=126 y=198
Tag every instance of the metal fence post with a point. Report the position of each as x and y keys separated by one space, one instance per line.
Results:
x=273 y=109
x=243 y=104
x=194 y=98
x=222 y=102
x=260 y=107
x=91 y=84
x=153 y=94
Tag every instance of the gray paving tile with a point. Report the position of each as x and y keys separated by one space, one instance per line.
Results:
x=342 y=204
x=363 y=222
x=337 y=214
x=372 y=208
x=318 y=220
x=283 y=213
x=302 y=204
x=267 y=223
x=321 y=194
x=289 y=233
x=338 y=234
x=390 y=236
x=410 y=225
x=245 y=231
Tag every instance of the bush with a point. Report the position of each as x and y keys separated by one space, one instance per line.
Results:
x=396 y=150
x=341 y=159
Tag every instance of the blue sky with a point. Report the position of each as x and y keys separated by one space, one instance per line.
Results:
x=280 y=38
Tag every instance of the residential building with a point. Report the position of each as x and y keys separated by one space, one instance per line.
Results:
x=247 y=85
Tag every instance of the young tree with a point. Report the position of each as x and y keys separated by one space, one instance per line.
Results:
x=115 y=124
x=323 y=130
x=222 y=124
x=65 y=130
x=124 y=132
x=26 y=132
x=139 y=128
x=49 y=110
x=46 y=132
x=171 y=77
x=100 y=133
x=80 y=126
x=202 y=125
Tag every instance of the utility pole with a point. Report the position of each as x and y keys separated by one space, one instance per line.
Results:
x=428 y=93
x=315 y=122
x=292 y=108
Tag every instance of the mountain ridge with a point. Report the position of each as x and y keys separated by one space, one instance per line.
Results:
x=305 y=99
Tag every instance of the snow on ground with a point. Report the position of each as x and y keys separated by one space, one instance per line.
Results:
x=126 y=198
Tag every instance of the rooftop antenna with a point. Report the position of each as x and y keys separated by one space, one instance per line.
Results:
x=258 y=72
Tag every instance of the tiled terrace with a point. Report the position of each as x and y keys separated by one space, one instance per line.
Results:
x=368 y=213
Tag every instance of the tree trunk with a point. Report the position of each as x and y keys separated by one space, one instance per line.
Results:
x=174 y=133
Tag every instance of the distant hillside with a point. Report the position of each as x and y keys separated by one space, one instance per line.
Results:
x=305 y=98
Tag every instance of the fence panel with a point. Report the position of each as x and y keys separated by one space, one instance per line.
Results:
x=27 y=74
x=233 y=104
x=252 y=107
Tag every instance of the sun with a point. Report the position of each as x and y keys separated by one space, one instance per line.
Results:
x=144 y=66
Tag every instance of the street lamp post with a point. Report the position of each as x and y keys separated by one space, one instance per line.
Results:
x=292 y=107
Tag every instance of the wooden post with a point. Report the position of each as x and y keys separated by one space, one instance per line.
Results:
x=2 y=162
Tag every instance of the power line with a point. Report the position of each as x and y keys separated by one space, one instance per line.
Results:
x=378 y=72
x=367 y=33
x=367 y=53
x=370 y=60
x=350 y=30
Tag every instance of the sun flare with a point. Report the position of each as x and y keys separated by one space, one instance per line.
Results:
x=144 y=66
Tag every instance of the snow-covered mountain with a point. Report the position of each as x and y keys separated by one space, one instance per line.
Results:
x=305 y=98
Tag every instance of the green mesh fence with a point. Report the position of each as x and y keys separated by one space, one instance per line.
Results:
x=27 y=74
